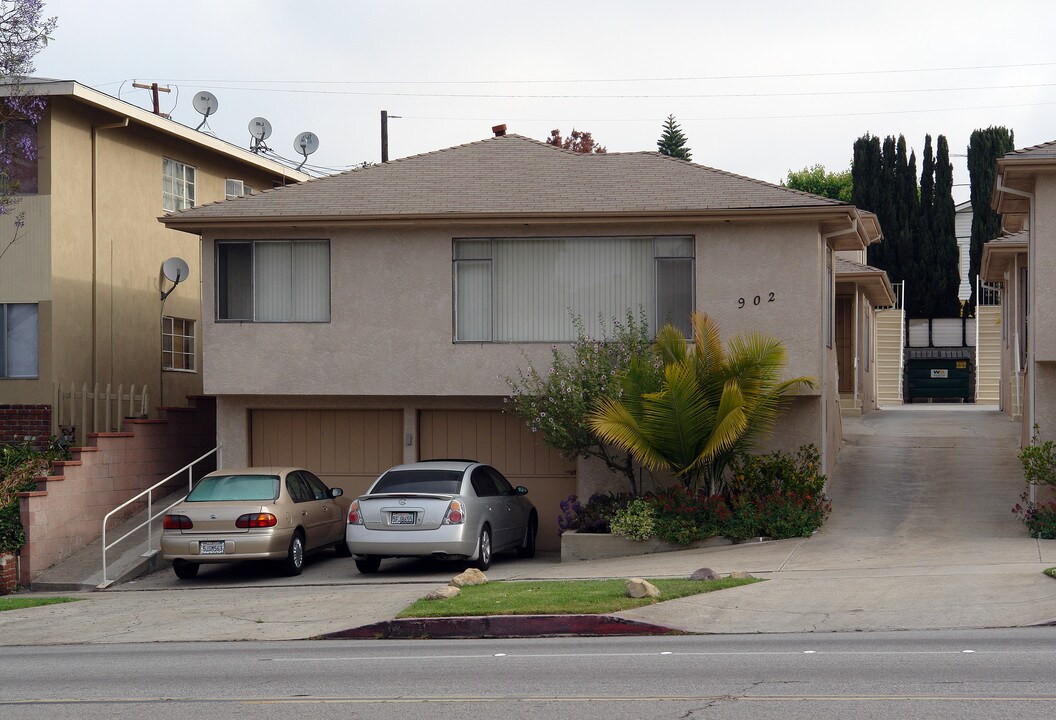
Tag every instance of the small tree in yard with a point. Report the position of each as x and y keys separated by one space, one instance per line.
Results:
x=557 y=401
x=673 y=141
x=580 y=142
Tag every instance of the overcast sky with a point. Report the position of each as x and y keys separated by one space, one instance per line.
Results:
x=759 y=86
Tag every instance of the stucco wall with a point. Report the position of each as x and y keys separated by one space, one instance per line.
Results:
x=391 y=311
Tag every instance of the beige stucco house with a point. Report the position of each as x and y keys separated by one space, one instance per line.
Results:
x=860 y=290
x=80 y=288
x=1025 y=196
x=371 y=318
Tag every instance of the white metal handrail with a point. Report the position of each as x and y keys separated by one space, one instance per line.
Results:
x=151 y=516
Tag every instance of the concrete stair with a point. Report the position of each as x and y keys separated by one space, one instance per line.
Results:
x=849 y=406
x=988 y=355
x=889 y=357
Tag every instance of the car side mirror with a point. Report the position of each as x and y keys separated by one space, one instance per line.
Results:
x=336 y=492
x=522 y=490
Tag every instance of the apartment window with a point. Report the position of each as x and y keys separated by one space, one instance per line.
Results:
x=522 y=289
x=273 y=281
x=178 y=185
x=19 y=340
x=236 y=188
x=19 y=176
x=177 y=344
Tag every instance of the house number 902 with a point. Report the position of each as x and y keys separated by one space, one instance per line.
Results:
x=757 y=300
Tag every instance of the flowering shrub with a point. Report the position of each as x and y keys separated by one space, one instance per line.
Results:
x=683 y=516
x=556 y=401
x=19 y=465
x=1039 y=468
x=592 y=517
x=636 y=521
x=779 y=495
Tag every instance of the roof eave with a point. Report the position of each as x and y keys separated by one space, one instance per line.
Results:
x=875 y=283
x=996 y=257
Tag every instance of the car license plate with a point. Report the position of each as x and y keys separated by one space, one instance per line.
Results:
x=212 y=547
x=401 y=518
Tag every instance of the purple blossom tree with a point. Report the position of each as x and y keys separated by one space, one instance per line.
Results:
x=24 y=32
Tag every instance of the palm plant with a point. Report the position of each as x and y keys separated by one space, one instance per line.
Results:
x=706 y=406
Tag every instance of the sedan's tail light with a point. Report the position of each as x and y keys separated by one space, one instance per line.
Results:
x=177 y=522
x=355 y=517
x=454 y=515
x=256 y=520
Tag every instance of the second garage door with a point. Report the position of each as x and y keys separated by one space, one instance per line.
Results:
x=346 y=448
x=502 y=440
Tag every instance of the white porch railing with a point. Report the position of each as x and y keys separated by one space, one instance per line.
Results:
x=151 y=515
x=77 y=412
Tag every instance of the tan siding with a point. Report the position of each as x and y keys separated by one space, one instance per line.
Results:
x=25 y=272
x=346 y=448
x=489 y=436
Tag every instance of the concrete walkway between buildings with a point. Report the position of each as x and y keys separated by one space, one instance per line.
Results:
x=921 y=536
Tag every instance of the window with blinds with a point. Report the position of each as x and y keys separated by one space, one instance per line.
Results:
x=527 y=289
x=19 y=340
x=273 y=281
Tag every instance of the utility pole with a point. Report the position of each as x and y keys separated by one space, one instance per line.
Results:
x=154 y=90
x=385 y=134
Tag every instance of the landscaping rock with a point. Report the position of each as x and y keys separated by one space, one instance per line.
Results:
x=638 y=588
x=704 y=574
x=443 y=593
x=740 y=575
x=472 y=576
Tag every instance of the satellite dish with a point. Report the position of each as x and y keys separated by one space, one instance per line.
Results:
x=206 y=104
x=260 y=129
x=175 y=271
x=306 y=143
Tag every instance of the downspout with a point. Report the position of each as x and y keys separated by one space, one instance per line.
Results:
x=1032 y=274
x=95 y=259
x=831 y=311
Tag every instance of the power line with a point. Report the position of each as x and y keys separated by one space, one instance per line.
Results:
x=511 y=81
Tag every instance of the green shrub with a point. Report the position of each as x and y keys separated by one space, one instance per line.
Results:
x=779 y=495
x=1039 y=468
x=19 y=464
x=683 y=516
x=637 y=521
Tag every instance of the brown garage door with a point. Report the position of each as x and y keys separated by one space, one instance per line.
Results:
x=346 y=448
x=489 y=436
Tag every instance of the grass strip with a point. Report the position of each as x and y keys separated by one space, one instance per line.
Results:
x=559 y=597
x=17 y=603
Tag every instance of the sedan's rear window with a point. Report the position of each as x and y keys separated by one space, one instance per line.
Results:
x=446 y=482
x=235 y=487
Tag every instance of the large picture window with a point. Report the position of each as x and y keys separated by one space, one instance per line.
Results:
x=522 y=289
x=273 y=281
x=19 y=340
x=177 y=186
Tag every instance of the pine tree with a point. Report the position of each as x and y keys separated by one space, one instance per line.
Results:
x=984 y=148
x=672 y=141
x=946 y=275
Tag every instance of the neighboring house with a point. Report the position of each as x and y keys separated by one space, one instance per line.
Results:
x=860 y=290
x=1025 y=196
x=80 y=289
x=371 y=318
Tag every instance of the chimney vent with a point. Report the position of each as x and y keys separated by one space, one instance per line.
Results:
x=499 y=130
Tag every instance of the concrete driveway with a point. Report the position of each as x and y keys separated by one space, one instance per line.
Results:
x=922 y=536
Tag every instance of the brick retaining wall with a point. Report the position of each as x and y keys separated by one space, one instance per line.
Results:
x=21 y=422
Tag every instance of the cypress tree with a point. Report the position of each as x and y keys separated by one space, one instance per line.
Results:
x=865 y=186
x=945 y=274
x=984 y=148
x=924 y=237
x=672 y=141
x=887 y=211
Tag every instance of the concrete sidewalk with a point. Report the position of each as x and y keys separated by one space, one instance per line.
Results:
x=921 y=537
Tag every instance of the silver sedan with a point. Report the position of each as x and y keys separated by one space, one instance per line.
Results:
x=445 y=509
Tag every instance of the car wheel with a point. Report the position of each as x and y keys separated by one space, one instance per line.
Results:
x=527 y=550
x=484 y=549
x=368 y=565
x=341 y=547
x=294 y=562
x=184 y=570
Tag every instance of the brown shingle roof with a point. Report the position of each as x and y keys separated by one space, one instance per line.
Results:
x=513 y=175
x=1044 y=150
x=843 y=265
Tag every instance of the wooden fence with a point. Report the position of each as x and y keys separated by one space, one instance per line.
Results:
x=77 y=412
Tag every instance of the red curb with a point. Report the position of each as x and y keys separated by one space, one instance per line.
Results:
x=500 y=626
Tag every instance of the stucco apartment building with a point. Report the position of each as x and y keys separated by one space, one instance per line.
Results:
x=371 y=318
x=80 y=288
x=1024 y=261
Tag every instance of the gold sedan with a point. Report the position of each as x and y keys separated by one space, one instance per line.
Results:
x=262 y=513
